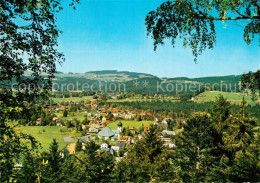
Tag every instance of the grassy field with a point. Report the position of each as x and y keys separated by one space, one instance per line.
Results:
x=130 y=124
x=233 y=97
x=76 y=99
x=45 y=134
x=77 y=115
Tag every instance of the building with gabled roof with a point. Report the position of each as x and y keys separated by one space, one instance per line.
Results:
x=106 y=132
x=125 y=139
x=71 y=148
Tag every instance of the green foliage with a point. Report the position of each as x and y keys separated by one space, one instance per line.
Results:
x=174 y=109
x=170 y=124
x=142 y=159
x=221 y=109
x=194 y=21
x=121 y=153
x=78 y=147
x=251 y=81
x=12 y=147
x=218 y=145
x=212 y=147
x=54 y=156
x=196 y=148
x=27 y=44
x=126 y=131
x=89 y=166
x=65 y=113
x=85 y=121
x=37 y=38
x=110 y=115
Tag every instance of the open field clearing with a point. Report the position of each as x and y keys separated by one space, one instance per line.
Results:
x=45 y=134
x=72 y=115
x=234 y=98
x=130 y=124
x=76 y=99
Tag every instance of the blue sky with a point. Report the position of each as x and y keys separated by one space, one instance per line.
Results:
x=111 y=35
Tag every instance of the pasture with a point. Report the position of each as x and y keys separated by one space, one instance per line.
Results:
x=75 y=99
x=72 y=115
x=130 y=124
x=45 y=134
x=233 y=97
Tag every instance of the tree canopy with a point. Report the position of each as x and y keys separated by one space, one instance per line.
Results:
x=193 y=21
x=28 y=44
x=251 y=81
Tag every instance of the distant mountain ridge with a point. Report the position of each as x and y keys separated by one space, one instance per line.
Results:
x=124 y=76
x=119 y=72
x=209 y=79
x=140 y=82
x=136 y=74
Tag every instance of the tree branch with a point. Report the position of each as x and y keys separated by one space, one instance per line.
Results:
x=235 y=18
x=240 y=13
x=242 y=17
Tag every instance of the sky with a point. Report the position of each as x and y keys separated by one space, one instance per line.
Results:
x=111 y=35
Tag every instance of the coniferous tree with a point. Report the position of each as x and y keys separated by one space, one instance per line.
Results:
x=54 y=161
x=78 y=147
x=65 y=113
x=142 y=160
x=214 y=147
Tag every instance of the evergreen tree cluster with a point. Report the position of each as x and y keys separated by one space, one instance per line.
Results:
x=214 y=146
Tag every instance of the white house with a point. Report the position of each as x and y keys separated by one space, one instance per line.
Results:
x=104 y=119
x=94 y=128
x=128 y=116
x=104 y=145
x=115 y=114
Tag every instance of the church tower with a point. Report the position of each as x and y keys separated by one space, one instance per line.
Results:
x=119 y=126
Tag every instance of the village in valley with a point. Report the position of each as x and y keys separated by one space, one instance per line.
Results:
x=115 y=129
x=114 y=121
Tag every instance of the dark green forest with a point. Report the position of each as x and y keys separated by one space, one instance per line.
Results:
x=187 y=108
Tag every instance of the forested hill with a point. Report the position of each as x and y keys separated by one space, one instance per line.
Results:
x=125 y=76
x=106 y=75
x=210 y=79
x=134 y=80
x=116 y=72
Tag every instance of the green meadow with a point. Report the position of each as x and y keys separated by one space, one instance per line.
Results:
x=72 y=115
x=130 y=124
x=45 y=134
x=75 y=99
x=233 y=97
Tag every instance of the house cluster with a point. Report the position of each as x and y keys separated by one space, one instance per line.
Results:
x=100 y=117
x=104 y=115
x=105 y=146
x=106 y=134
